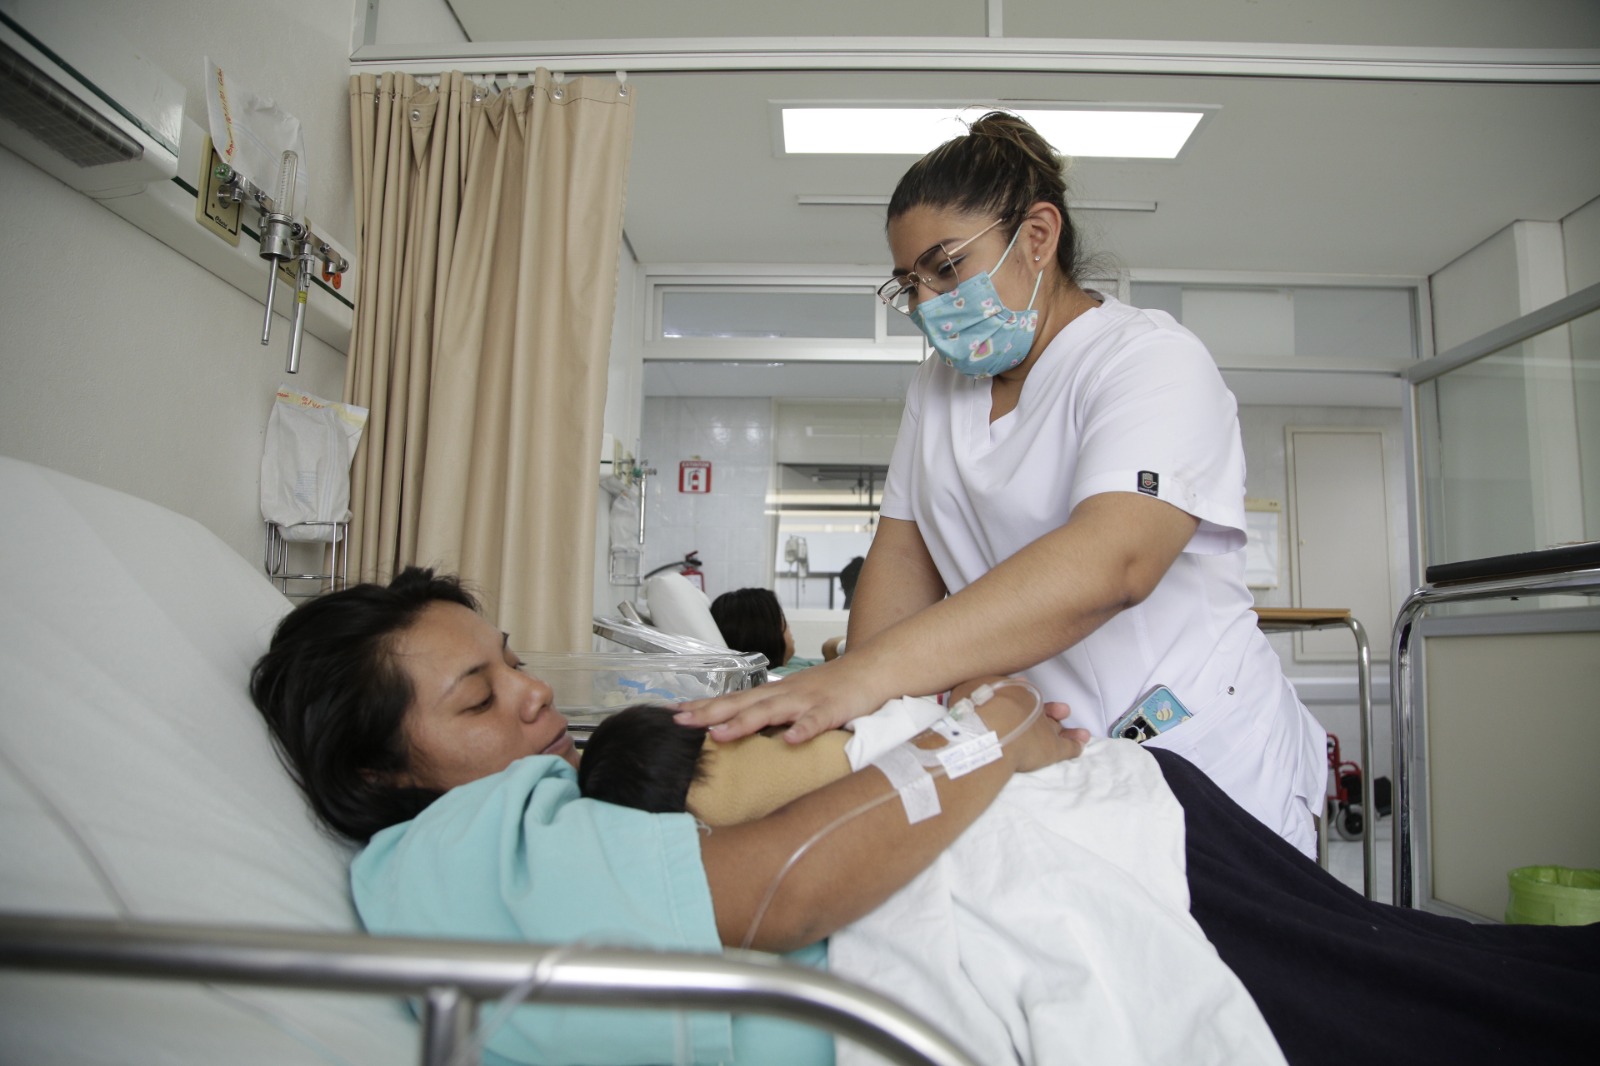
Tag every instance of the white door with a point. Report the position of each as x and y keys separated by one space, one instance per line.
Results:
x=1339 y=536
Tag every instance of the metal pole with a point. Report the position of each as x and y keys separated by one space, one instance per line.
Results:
x=448 y=1020
x=1400 y=706
x=1369 y=809
x=739 y=981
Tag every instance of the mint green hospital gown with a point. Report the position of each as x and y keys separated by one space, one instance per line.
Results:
x=521 y=856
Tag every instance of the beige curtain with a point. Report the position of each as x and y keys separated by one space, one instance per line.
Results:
x=491 y=224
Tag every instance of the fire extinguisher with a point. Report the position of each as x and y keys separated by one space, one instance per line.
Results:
x=691 y=570
x=688 y=566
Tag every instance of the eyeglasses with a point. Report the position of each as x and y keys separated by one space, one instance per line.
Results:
x=935 y=271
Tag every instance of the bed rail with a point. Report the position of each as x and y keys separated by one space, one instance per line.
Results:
x=1575 y=570
x=452 y=977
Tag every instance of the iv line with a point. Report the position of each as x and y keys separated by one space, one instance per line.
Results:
x=980 y=696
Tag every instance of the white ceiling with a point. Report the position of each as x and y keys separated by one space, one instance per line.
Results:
x=1297 y=175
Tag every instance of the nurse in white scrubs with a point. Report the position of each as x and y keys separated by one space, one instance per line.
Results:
x=1065 y=500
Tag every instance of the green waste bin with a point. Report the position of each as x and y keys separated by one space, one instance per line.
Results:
x=1553 y=895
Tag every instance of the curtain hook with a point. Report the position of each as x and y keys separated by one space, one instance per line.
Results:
x=622 y=83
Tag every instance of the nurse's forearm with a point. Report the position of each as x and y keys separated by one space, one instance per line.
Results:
x=864 y=860
x=897 y=580
x=1044 y=599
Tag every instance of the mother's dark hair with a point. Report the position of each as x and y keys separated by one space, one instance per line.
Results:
x=751 y=620
x=335 y=699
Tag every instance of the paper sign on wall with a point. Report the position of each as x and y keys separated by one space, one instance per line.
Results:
x=1261 y=544
x=694 y=475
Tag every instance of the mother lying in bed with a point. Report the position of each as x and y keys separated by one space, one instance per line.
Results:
x=411 y=728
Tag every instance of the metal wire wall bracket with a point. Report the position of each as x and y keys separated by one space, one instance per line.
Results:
x=336 y=544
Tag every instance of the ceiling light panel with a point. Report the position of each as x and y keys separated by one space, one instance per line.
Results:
x=1112 y=132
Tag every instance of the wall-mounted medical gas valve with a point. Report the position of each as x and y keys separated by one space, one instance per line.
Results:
x=287 y=243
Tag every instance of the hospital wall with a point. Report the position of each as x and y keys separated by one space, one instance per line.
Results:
x=1330 y=689
x=621 y=419
x=729 y=525
x=125 y=363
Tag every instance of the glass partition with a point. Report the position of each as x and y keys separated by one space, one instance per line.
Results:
x=767 y=313
x=1510 y=447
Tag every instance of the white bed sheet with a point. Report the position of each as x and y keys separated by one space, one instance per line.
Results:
x=1057 y=931
x=137 y=780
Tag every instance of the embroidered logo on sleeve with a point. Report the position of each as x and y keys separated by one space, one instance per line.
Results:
x=1149 y=483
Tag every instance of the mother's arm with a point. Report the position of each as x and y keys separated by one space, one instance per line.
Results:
x=863 y=861
x=1110 y=555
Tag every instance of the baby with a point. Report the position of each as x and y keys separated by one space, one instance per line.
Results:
x=639 y=757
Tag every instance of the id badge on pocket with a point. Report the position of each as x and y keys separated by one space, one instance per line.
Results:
x=1158 y=711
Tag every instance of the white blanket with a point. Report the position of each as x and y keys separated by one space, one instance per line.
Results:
x=1056 y=930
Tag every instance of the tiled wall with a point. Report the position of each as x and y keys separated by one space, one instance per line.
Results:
x=729 y=525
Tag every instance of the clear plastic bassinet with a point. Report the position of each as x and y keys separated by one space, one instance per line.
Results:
x=636 y=663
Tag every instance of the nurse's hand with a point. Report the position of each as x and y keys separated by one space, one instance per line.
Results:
x=814 y=700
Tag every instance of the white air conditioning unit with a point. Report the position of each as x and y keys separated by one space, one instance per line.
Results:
x=105 y=124
x=86 y=108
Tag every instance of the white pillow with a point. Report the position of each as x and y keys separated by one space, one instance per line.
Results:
x=137 y=781
x=678 y=606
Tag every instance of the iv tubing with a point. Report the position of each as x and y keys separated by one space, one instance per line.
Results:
x=540 y=975
x=980 y=696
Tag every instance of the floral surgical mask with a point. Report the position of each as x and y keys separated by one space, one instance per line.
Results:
x=973 y=331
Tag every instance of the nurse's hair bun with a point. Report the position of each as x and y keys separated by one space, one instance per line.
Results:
x=1009 y=129
x=999 y=168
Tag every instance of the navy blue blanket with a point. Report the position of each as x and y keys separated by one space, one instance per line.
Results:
x=1348 y=982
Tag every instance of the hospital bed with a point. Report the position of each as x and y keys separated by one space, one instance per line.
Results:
x=166 y=895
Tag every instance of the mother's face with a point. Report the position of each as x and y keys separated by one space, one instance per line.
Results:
x=474 y=712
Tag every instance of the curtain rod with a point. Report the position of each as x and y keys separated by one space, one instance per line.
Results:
x=1046 y=55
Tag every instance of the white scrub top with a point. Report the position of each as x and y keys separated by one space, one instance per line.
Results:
x=1122 y=400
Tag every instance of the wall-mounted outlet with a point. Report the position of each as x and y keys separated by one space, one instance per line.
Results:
x=219 y=216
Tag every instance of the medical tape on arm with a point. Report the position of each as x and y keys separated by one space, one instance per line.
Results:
x=907 y=777
x=969 y=743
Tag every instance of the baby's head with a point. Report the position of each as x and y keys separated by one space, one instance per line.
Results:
x=639 y=757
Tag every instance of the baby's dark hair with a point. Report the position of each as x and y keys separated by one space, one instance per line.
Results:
x=639 y=757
